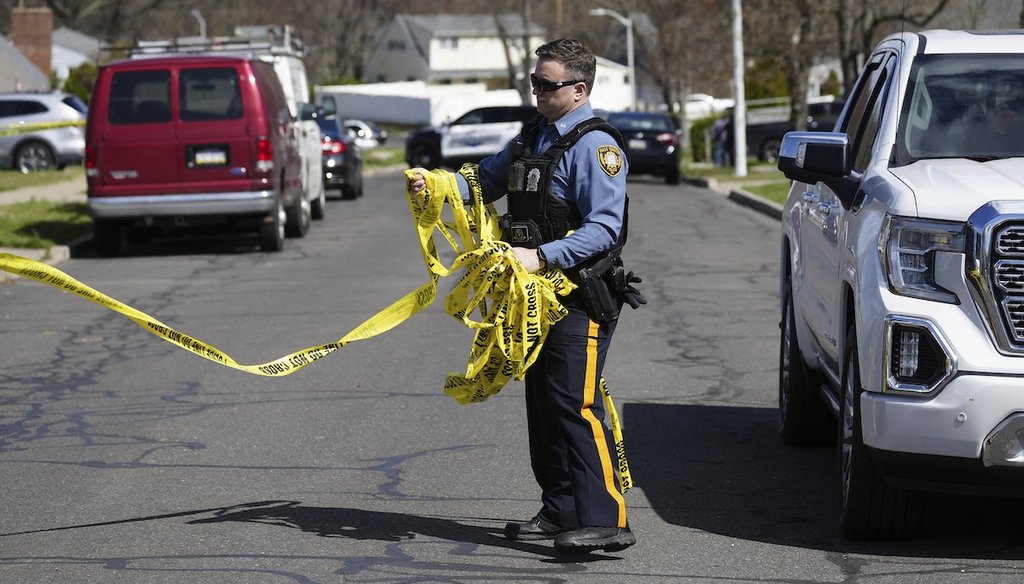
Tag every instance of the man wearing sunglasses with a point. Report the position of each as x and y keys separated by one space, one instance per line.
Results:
x=565 y=179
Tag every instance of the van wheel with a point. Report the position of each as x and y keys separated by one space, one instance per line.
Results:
x=106 y=236
x=272 y=230
x=33 y=157
x=803 y=416
x=298 y=218
x=870 y=508
x=318 y=206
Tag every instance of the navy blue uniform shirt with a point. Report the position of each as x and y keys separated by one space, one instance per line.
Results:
x=591 y=175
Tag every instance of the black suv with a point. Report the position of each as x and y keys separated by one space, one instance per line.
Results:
x=763 y=140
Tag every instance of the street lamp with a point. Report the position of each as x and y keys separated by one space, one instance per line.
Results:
x=202 y=22
x=628 y=23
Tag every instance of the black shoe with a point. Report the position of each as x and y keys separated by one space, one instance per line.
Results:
x=588 y=539
x=536 y=528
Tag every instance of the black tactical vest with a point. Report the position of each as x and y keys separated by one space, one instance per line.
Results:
x=535 y=215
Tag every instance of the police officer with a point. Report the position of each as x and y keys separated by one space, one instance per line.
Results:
x=566 y=172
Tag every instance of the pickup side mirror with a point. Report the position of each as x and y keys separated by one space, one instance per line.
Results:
x=810 y=157
x=308 y=111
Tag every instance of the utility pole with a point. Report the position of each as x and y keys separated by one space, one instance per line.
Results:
x=739 y=112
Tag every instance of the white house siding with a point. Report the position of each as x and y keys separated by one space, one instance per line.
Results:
x=611 y=86
x=472 y=54
x=395 y=57
x=64 y=60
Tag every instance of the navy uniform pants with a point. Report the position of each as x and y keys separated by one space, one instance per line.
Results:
x=571 y=450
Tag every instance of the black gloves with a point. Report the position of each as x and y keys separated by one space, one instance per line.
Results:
x=631 y=295
x=621 y=282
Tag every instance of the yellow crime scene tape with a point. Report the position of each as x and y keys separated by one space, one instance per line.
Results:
x=515 y=308
x=26 y=128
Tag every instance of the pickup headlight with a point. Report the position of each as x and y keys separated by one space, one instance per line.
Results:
x=907 y=248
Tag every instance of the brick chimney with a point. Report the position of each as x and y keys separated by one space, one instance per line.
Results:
x=32 y=34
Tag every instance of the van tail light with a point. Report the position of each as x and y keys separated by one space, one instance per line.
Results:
x=264 y=155
x=92 y=153
x=330 y=146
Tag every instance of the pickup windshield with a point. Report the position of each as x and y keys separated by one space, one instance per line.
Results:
x=969 y=106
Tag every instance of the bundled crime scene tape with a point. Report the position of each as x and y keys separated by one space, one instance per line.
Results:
x=515 y=308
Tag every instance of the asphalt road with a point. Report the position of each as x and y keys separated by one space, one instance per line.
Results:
x=125 y=459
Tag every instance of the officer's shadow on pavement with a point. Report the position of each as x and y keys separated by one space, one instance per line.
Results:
x=382 y=526
x=724 y=470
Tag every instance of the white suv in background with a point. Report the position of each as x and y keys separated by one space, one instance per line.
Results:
x=472 y=137
x=40 y=131
x=902 y=279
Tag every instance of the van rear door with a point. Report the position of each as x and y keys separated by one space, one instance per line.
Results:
x=137 y=142
x=216 y=149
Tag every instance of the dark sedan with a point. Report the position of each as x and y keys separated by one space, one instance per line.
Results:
x=652 y=143
x=342 y=158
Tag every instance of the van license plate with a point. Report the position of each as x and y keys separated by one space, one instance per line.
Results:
x=207 y=156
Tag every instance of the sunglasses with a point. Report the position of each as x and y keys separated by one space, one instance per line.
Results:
x=546 y=86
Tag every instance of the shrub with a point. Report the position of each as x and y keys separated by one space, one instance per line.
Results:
x=80 y=81
x=699 y=136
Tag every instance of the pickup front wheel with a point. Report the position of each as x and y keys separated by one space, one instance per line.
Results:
x=803 y=416
x=870 y=507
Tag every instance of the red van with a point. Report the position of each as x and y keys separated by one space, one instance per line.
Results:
x=181 y=142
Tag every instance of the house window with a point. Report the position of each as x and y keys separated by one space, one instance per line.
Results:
x=449 y=42
x=396 y=45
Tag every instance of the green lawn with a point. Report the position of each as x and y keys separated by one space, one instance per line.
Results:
x=42 y=224
x=762 y=179
x=775 y=191
x=12 y=179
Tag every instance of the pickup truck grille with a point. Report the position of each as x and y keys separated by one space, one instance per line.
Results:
x=1010 y=241
x=1008 y=275
x=995 y=270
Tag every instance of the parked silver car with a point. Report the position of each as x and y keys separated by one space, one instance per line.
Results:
x=40 y=131
x=366 y=134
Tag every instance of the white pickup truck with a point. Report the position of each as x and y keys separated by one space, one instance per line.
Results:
x=902 y=279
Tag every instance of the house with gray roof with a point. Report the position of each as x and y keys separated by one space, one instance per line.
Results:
x=72 y=48
x=17 y=73
x=446 y=49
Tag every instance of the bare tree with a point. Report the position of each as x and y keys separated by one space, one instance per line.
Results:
x=677 y=43
x=112 y=18
x=518 y=71
x=862 y=23
x=340 y=34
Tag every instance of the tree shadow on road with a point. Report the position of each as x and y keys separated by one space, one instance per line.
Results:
x=724 y=470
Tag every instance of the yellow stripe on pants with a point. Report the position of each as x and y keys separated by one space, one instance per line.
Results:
x=596 y=426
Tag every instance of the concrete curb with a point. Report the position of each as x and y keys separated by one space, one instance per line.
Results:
x=739 y=196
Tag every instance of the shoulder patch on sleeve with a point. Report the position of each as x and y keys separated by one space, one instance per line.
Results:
x=610 y=159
